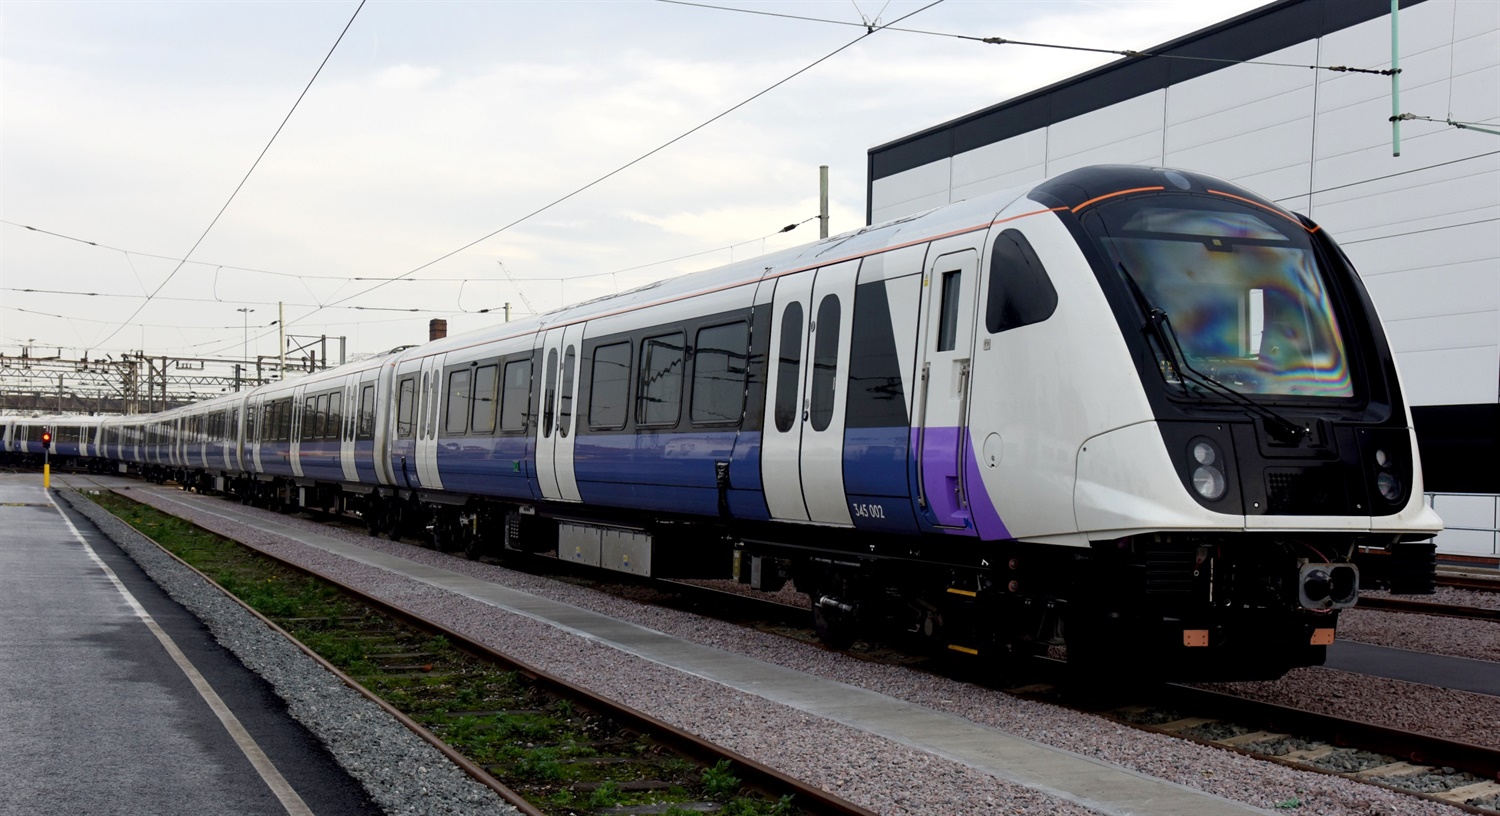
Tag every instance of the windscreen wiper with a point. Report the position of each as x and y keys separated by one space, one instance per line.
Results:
x=1159 y=324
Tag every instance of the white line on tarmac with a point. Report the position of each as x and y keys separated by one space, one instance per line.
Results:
x=262 y=764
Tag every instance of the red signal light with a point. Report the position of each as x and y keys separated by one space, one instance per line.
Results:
x=46 y=438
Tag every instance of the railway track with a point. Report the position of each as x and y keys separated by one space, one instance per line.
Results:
x=627 y=752
x=1429 y=608
x=1451 y=772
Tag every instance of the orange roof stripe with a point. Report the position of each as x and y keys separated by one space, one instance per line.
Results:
x=1277 y=210
x=1097 y=199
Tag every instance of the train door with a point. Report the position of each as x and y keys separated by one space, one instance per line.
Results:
x=949 y=289
x=427 y=425
x=300 y=416
x=556 y=430
x=255 y=432
x=803 y=443
x=348 y=425
x=385 y=418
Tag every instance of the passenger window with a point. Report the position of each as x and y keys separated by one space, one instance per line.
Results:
x=948 y=316
x=405 y=428
x=517 y=394
x=1020 y=291
x=309 y=410
x=609 y=386
x=485 y=401
x=719 y=355
x=825 y=362
x=366 y=413
x=334 y=426
x=549 y=395
x=565 y=399
x=789 y=367
x=320 y=420
x=660 y=394
x=457 y=420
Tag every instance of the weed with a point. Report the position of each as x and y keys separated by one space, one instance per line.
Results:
x=718 y=782
x=606 y=795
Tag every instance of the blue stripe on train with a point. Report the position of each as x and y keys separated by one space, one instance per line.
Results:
x=484 y=466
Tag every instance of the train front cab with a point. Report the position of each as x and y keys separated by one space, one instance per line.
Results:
x=1223 y=534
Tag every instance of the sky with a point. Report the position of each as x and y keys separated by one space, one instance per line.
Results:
x=125 y=127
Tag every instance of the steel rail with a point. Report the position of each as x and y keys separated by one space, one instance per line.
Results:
x=1429 y=608
x=1470 y=582
x=757 y=775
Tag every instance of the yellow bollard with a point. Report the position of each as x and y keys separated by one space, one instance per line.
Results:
x=47 y=476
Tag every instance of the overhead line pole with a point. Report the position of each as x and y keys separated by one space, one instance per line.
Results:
x=823 y=201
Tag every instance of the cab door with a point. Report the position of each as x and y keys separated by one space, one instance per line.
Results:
x=802 y=449
x=949 y=289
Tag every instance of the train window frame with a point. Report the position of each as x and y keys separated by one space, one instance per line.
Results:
x=950 y=283
x=320 y=421
x=366 y=428
x=485 y=397
x=788 y=369
x=619 y=394
x=662 y=365
x=333 y=424
x=565 y=392
x=1021 y=292
x=459 y=402
x=549 y=395
x=822 y=391
x=702 y=347
x=515 y=395
x=406 y=394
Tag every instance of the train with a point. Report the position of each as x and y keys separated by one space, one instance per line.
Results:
x=1141 y=416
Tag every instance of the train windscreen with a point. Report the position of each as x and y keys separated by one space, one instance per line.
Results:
x=1243 y=291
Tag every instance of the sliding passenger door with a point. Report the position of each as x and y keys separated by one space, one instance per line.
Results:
x=430 y=402
x=803 y=443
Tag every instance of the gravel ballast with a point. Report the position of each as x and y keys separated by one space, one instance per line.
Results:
x=869 y=770
x=401 y=771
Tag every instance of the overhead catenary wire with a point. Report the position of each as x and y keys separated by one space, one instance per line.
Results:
x=1124 y=52
x=246 y=178
x=354 y=278
x=629 y=164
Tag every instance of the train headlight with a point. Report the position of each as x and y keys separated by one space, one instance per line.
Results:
x=1208 y=479
x=1389 y=486
x=1382 y=459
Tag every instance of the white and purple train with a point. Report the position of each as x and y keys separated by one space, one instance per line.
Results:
x=1139 y=412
